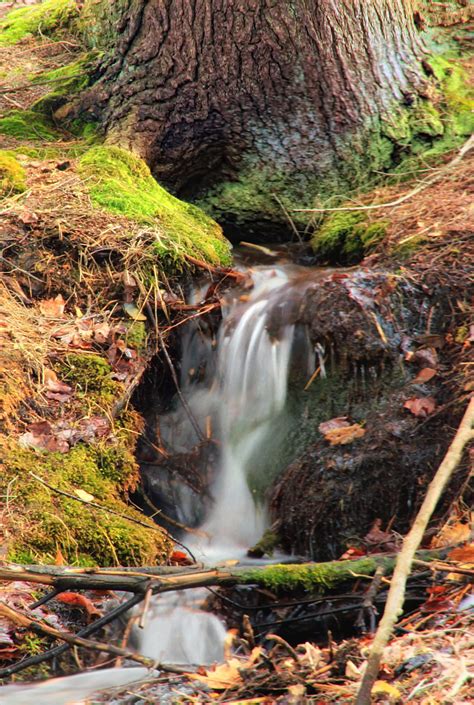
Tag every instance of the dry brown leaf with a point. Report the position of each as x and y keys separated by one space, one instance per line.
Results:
x=420 y=406
x=227 y=674
x=451 y=534
x=343 y=436
x=464 y=554
x=53 y=308
x=424 y=375
x=338 y=422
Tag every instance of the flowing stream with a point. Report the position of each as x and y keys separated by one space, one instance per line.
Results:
x=240 y=396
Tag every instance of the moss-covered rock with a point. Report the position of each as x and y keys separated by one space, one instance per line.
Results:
x=46 y=521
x=12 y=174
x=121 y=182
x=345 y=237
x=44 y=18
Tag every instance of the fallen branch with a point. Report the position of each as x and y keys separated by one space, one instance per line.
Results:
x=412 y=540
x=283 y=577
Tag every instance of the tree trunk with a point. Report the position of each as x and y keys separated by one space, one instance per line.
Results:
x=240 y=103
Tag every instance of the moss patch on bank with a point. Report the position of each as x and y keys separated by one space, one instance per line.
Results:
x=45 y=18
x=347 y=237
x=47 y=522
x=27 y=125
x=121 y=182
x=12 y=174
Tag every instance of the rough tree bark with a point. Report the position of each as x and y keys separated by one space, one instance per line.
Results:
x=234 y=102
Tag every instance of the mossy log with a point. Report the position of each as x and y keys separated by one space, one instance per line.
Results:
x=309 y=577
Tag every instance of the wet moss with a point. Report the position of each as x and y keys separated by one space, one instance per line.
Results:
x=47 y=522
x=27 y=125
x=12 y=174
x=44 y=18
x=346 y=237
x=121 y=182
x=308 y=577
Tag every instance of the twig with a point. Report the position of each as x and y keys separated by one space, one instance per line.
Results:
x=28 y=623
x=396 y=594
x=467 y=146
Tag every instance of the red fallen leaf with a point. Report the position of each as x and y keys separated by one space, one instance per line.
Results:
x=420 y=406
x=77 y=600
x=180 y=558
x=437 y=604
x=338 y=422
x=352 y=552
x=424 y=375
x=53 y=308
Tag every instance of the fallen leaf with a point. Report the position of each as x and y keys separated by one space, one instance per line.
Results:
x=53 y=308
x=77 y=600
x=420 y=406
x=426 y=356
x=85 y=496
x=59 y=559
x=134 y=312
x=352 y=671
x=451 y=533
x=382 y=687
x=378 y=540
x=53 y=384
x=338 y=422
x=227 y=674
x=424 y=375
x=345 y=435
x=464 y=554
x=352 y=552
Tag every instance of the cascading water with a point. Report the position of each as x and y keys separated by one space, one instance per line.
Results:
x=246 y=396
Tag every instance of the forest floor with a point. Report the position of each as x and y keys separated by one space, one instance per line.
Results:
x=81 y=297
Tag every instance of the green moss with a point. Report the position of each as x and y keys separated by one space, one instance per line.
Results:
x=66 y=81
x=346 y=237
x=136 y=335
x=458 y=93
x=44 y=18
x=12 y=174
x=122 y=183
x=47 y=521
x=27 y=125
x=308 y=577
x=266 y=545
x=89 y=374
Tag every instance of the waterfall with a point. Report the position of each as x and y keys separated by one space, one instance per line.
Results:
x=246 y=396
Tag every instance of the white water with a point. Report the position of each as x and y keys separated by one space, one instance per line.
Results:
x=248 y=394
x=244 y=401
